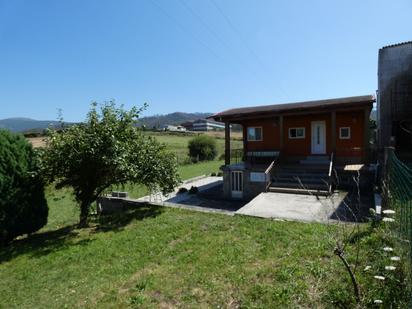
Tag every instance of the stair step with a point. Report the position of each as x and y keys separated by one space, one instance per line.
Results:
x=298 y=191
x=302 y=167
x=311 y=180
x=313 y=162
x=297 y=185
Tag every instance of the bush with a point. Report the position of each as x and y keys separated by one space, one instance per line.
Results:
x=193 y=190
x=23 y=206
x=182 y=190
x=202 y=148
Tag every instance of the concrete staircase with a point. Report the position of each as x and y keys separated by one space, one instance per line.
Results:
x=308 y=176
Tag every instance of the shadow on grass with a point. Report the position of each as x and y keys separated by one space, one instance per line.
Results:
x=116 y=222
x=43 y=243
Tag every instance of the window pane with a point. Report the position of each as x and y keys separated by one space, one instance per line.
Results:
x=258 y=134
x=292 y=132
x=300 y=132
x=251 y=134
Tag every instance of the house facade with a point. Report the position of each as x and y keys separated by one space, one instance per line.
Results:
x=287 y=144
x=395 y=99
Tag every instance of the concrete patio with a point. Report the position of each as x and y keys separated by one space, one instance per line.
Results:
x=296 y=207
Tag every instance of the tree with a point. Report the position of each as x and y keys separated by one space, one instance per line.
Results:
x=106 y=150
x=23 y=206
x=202 y=148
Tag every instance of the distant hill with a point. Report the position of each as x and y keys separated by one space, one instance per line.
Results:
x=173 y=118
x=20 y=124
x=26 y=124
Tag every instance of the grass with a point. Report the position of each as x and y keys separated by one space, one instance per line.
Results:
x=178 y=143
x=185 y=171
x=151 y=257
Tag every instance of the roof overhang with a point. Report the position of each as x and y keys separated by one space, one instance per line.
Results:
x=307 y=107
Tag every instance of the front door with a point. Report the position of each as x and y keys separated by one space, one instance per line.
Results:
x=318 y=137
x=237 y=184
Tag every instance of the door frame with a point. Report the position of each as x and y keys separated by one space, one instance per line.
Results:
x=313 y=138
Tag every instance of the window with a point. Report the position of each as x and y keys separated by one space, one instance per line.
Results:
x=254 y=134
x=295 y=133
x=344 y=132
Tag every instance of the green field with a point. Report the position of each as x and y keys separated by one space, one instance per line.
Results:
x=178 y=143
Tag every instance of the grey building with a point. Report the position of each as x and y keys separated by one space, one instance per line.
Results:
x=394 y=98
x=207 y=125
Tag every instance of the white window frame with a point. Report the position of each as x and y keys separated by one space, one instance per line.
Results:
x=297 y=137
x=344 y=137
x=254 y=140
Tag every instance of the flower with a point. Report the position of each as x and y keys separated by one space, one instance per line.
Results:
x=388 y=220
x=367 y=268
x=379 y=277
x=387 y=249
x=390 y=267
x=388 y=212
x=378 y=301
x=395 y=258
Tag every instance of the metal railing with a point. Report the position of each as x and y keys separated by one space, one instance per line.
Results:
x=268 y=175
x=330 y=174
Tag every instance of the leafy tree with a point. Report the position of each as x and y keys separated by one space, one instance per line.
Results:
x=202 y=148
x=23 y=207
x=108 y=149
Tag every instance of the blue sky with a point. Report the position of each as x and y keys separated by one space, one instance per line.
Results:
x=189 y=55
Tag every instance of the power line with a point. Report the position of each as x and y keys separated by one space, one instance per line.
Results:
x=242 y=39
x=184 y=29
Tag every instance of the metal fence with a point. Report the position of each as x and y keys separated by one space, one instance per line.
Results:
x=397 y=194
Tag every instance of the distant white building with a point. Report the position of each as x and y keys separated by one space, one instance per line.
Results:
x=172 y=128
x=207 y=125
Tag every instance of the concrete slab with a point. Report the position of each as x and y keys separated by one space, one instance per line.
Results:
x=202 y=183
x=297 y=207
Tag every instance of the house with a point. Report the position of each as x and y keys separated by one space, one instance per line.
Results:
x=292 y=147
x=394 y=99
x=207 y=125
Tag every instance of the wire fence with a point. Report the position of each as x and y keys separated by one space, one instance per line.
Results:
x=397 y=195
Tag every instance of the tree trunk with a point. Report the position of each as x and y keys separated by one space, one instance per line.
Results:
x=84 y=213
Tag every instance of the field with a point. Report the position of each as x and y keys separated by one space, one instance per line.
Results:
x=177 y=142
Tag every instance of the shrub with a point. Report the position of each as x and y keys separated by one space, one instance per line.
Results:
x=213 y=174
x=23 y=206
x=193 y=190
x=202 y=148
x=182 y=190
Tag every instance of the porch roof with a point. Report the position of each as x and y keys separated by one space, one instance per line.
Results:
x=321 y=105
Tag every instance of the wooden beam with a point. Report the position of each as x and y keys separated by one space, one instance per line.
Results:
x=367 y=112
x=281 y=132
x=333 y=130
x=227 y=143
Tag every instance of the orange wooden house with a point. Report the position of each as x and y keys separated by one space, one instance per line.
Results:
x=293 y=147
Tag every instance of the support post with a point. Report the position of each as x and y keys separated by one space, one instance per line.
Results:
x=366 y=134
x=333 y=131
x=227 y=143
x=281 y=132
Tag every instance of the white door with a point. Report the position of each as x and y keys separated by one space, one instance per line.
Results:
x=318 y=137
x=236 y=183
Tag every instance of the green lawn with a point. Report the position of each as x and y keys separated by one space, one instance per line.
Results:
x=153 y=257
